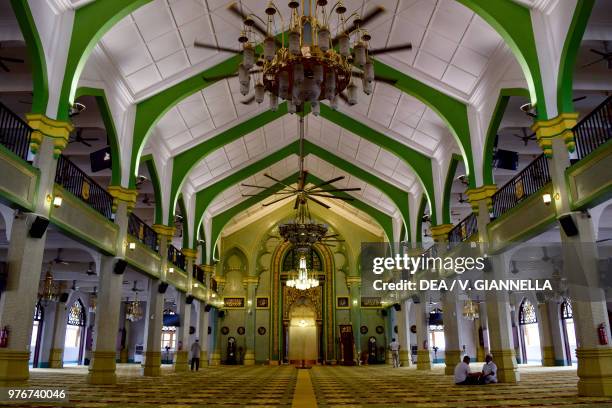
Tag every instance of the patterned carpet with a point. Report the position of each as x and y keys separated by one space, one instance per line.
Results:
x=405 y=387
x=210 y=387
x=346 y=387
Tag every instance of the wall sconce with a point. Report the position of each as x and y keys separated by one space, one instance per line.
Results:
x=214 y=295
x=56 y=201
x=132 y=246
x=355 y=302
x=171 y=270
x=547 y=198
x=195 y=285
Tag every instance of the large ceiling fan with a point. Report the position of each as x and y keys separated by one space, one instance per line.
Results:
x=307 y=64
x=606 y=56
x=4 y=60
x=302 y=193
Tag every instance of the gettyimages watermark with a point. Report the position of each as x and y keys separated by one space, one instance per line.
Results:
x=582 y=271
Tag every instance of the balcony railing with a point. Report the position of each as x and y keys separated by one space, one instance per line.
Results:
x=594 y=129
x=532 y=178
x=73 y=179
x=464 y=230
x=144 y=233
x=14 y=133
x=176 y=257
x=198 y=274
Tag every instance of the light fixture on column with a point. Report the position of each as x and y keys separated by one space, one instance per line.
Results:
x=49 y=290
x=131 y=245
x=57 y=201
x=547 y=198
x=170 y=270
x=470 y=310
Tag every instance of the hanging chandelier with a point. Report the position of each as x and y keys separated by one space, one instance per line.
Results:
x=49 y=290
x=133 y=309
x=303 y=281
x=307 y=64
x=470 y=310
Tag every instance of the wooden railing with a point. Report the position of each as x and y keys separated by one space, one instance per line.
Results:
x=143 y=232
x=532 y=178
x=73 y=179
x=594 y=129
x=176 y=257
x=14 y=133
x=198 y=274
x=464 y=230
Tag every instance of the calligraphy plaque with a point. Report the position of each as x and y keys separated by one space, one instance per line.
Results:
x=371 y=302
x=342 y=302
x=262 y=302
x=233 y=302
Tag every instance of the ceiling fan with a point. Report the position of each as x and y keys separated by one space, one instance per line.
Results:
x=78 y=137
x=302 y=193
x=58 y=258
x=606 y=55
x=525 y=137
x=3 y=60
x=146 y=200
x=462 y=200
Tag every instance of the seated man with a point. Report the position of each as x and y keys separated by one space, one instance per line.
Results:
x=489 y=371
x=463 y=376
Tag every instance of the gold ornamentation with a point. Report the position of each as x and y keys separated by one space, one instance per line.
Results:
x=125 y=195
x=42 y=125
x=561 y=126
x=475 y=195
x=439 y=233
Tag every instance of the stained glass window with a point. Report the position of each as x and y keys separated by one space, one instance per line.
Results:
x=76 y=314
x=527 y=313
x=566 y=310
x=38 y=312
x=292 y=260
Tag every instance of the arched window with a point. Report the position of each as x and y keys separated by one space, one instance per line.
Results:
x=292 y=260
x=527 y=313
x=38 y=312
x=76 y=314
x=566 y=310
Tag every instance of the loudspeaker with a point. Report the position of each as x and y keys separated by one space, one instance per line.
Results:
x=189 y=300
x=120 y=266
x=221 y=314
x=397 y=307
x=207 y=308
x=3 y=276
x=162 y=287
x=568 y=225
x=63 y=297
x=38 y=227
x=416 y=299
x=383 y=312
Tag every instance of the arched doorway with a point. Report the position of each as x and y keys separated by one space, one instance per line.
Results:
x=569 y=335
x=75 y=333
x=302 y=335
x=436 y=334
x=37 y=328
x=530 y=336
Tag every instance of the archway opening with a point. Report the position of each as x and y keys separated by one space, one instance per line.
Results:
x=569 y=335
x=530 y=335
x=436 y=335
x=302 y=336
x=75 y=333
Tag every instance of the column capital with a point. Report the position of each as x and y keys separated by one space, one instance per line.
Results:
x=353 y=280
x=482 y=193
x=163 y=230
x=189 y=253
x=124 y=195
x=250 y=280
x=560 y=126
x=208 y=268
x=439 y=233
x=57 y=130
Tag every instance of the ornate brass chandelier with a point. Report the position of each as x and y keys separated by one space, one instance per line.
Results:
x=470 y=310
x=133 y=308
x=307 y=64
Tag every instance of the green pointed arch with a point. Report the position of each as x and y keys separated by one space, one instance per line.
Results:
x=109 y=126
x=494 y=123
x=420 y=214
x=149 y=161
x=513 y=23
x=220 y=220
x=36 y=52
x=91 y=22
x=181 y=204
x=206 y=196
x=448 y=185
x=565 y=80
x=184 y=162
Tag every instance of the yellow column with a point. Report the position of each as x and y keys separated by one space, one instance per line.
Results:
x=25 y=254
x=423 y=354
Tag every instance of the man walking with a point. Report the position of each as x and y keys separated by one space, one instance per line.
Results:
x=195 y=355
x=395 y=346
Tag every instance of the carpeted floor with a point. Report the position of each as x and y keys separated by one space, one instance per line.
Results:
x=382 y=386
x=346 y=387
